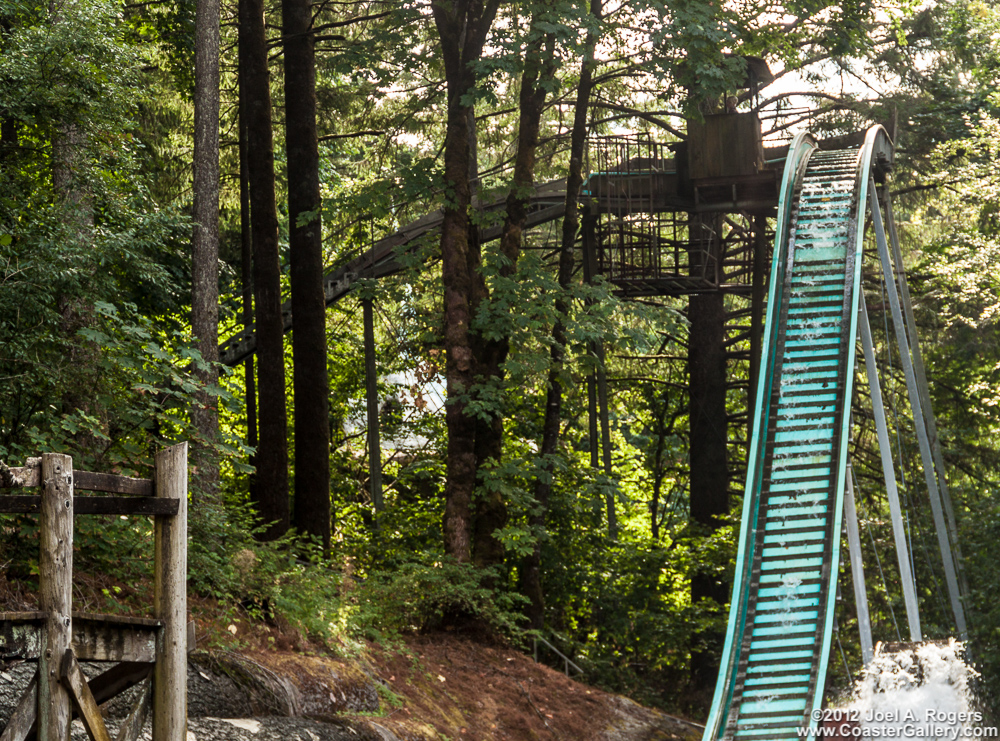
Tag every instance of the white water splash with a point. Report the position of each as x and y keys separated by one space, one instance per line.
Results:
x=920 y=692
x=789 y=584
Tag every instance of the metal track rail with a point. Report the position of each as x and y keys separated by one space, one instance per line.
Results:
x=781 y=618
x=545 y=205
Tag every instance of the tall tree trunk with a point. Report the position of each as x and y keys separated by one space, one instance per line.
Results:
x=74 y=198
x=205 y=239
x=8 y=138
x=490 y=508
x=246 y=242
x=271 y=486
x=462 y=27
x=709 y=473
x=8 y=126
x=68 y=151
x=658 y=469
x=531 y=568
x=310 y=379
x=707 y=428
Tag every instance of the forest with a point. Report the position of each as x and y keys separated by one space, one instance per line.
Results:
x=421 y=453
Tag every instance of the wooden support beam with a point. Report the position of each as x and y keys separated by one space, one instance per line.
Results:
x=46 y=707
x=919 y=416
x=597 y=384
x=94 y=637
x=74 y=681
x=29 y=476
x=758 y=302
x=103 y=687
x=602 y=402
x=119 y=678
x=588 y=230
x=857 y=569
x=889 y=476
x=29 y=504
x=22 y=720
x=708 y=444
x=113 y=484
x=55 y=585
x=132 y=727
x=170 y=599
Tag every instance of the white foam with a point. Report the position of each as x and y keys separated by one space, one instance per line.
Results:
x=922 y=692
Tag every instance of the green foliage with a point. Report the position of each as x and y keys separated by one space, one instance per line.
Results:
x=435 y=593
x=958 y=308
x=286 y=581
x=66 y=63
x=621 y=608
x=89 y=368
x=95 y=359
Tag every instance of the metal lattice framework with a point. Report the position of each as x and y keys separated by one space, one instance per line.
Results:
x=652 y=236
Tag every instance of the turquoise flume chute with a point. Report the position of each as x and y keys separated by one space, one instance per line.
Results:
x=781 y=618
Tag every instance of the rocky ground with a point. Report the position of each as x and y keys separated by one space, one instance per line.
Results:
x=431 y=688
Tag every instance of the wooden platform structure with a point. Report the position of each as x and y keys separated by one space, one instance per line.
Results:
x=152 y=651
x=682 y=218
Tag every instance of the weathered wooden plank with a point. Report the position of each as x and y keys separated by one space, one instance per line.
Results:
x=28 y=504
x=23 y=616
x=170 y=599
x=22 y=720
x=99 y=641
x=73 y=679
x=20 y=504
x=21 y=635
x=30 y=476
x=115 y=620
x=95 y=637
x=118 y=678
x=725 y=145
x=113 y=484
x=125 y=506
x=132 y=727
x=55 y=586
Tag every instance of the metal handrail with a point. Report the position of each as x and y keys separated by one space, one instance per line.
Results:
x=564 y=657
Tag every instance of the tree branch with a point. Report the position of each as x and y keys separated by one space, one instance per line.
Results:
x=351 y=21
x=631 y=112
x=352 y=135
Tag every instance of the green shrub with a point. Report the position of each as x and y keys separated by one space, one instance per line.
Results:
x=441 y=594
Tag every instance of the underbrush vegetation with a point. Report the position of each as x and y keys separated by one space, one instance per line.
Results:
x=283 y=592
x=619 y=609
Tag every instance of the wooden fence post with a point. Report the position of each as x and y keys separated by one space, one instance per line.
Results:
x=55 y=583
x=170 y=599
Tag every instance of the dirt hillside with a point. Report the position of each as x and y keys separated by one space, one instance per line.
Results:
x=449 y=686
